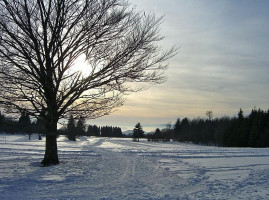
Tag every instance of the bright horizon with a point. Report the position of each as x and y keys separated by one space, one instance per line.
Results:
x=222 y=64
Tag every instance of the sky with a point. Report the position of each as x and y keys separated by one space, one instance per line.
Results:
x=222 y=63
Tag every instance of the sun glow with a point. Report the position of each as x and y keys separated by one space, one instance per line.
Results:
x=82 y=66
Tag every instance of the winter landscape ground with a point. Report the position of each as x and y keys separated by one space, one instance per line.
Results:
x=111 y=168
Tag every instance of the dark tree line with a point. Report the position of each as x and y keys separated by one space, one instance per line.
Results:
x=240 y=131
x=109 y=131
x=23 y=125
x=164 y=135
x=73 y=129
x=250 y=131
x=93 y=130
x=79 y=128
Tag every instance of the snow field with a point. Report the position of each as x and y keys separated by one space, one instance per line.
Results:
x=117 y=168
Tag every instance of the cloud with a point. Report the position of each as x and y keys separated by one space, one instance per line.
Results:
x=222 y=65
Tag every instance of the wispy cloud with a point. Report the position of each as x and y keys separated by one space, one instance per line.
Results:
x=222 y=65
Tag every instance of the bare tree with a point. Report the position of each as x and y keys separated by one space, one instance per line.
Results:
x=209 y=114
x=42 y=41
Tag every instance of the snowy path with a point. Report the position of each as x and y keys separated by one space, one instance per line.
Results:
x=104 y=168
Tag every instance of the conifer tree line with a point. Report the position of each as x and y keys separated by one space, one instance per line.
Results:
x=240 y=131
x=23 y=125
x=73 y=128
x=79 y=128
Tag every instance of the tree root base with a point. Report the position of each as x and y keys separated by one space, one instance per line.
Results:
x=49 y=162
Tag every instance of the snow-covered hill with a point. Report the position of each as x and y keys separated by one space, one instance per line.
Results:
x=108 y=168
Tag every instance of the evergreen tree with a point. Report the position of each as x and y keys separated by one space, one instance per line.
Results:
x=167 y=133
x=90 y=131
x=177 y=128
x=40 y=126
x=96 y=130
x=157 y=134
x=220 y=128
x=257 y=126
x=25 y=123
x=1 y=117
x=185 y=127
x=93 y=130
x=240 y=114
x=104 y=132
x=137 y=132
x=81 y=126
x=71 y=128
x=117 y=132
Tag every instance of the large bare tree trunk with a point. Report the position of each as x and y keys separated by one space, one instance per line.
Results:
x=51 y=153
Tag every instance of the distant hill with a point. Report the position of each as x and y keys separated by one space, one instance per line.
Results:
x=127 y=132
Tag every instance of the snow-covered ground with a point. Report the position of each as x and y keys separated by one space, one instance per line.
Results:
x=110 y=168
